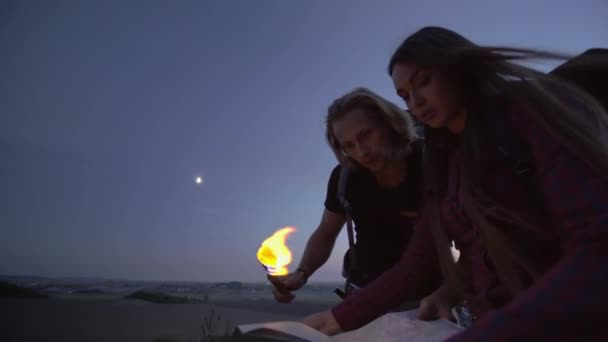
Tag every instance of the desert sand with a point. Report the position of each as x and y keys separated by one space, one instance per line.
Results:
x=112 y=318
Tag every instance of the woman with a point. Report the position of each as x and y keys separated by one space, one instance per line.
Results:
x=376 y=141
x=543 y=231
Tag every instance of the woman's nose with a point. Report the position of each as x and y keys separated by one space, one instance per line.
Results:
x=417 y=100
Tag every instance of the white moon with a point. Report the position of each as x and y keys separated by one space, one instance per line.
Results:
x=198 y=180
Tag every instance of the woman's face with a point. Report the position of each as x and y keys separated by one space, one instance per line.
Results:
x=428 y=96
x=364 y=140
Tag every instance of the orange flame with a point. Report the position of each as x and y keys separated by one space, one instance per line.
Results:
x=274 y=254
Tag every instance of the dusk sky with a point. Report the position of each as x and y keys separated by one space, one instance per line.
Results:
x=110 y=109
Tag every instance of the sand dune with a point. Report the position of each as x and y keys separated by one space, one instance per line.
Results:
x=111 y=318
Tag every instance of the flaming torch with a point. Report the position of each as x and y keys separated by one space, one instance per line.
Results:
x=274 y=254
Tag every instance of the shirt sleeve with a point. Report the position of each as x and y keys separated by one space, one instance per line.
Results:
x=331 y=198
x=571 y=300
x=416 y=272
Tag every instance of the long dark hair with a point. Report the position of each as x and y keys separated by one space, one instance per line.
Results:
x=477 y=73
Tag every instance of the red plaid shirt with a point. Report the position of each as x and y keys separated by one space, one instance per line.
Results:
x=569 y=302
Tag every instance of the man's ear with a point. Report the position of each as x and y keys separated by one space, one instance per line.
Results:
x=344 y=154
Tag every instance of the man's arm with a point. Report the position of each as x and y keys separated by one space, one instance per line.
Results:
x=322 y=241
x=318 y=249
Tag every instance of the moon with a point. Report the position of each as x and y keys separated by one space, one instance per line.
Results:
x=198 y=180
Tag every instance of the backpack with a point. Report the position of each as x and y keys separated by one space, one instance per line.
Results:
x=589 y=71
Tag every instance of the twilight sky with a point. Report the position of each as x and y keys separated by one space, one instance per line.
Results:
x=110 y=109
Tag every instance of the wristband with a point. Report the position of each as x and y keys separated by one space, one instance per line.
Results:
x=306 y=274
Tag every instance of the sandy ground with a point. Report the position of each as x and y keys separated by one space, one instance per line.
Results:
x=111 y=318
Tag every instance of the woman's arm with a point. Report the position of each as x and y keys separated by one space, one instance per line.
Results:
x=410 y=278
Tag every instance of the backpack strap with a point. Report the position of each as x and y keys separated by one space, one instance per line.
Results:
x=512 y=148
x=343 y=180
x=515 y=151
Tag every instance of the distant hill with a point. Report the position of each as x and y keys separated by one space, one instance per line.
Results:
x=162 y=298
x=231 y=285
x=9 y=290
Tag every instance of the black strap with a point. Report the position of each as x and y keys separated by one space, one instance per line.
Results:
x=344 y=173
x=515 y=151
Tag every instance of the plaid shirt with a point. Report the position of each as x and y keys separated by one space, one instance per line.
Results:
x=568 y=302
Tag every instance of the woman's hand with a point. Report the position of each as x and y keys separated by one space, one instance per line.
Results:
x=437 y=305
x=324 y=322
x=434 y=307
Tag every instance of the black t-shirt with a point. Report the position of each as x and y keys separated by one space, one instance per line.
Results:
x=381 y=227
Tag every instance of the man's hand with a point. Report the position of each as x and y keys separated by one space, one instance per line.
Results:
x=324 y=322
x=283 y=285
x=435 y=306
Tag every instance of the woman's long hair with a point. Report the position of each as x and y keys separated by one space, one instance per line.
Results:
x=398 y=121
x=576 y=120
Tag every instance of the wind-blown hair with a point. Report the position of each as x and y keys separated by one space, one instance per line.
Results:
x=476 y=73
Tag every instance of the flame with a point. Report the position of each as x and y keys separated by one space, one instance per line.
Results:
x=274 y=254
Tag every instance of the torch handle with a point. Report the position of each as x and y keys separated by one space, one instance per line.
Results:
x=277 y=285
x=274 y=281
